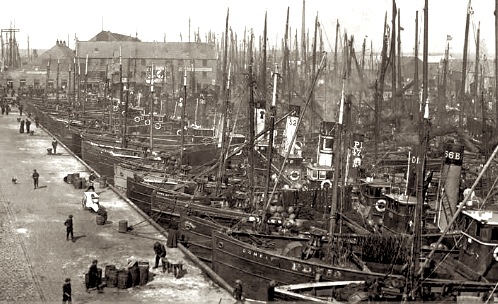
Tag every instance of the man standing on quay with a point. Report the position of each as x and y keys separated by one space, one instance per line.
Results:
x=66 y=291
x=35 y=178
x=69 y=228
x=54 y=145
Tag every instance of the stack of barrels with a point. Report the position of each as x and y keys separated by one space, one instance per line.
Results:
x=75 y=179
x=135 y=274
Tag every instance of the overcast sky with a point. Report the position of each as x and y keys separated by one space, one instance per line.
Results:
x=153 y=20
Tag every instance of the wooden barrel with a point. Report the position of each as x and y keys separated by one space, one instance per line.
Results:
x=144 y=272
x=103 y=181
x=123 y=276
x=106 y=271
x=123 y=226
x=134 y=276
x=87 y=280
x=100 y=219
x=78 y=183
x=112 y=280
x=75 y=180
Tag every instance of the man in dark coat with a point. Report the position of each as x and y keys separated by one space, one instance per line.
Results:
x=21 y=126
x=54 y=145
x=69 y=227
x=20 y=110
x=93 y=277
x=28 y=125
x=35 y=178
x=160 y=251
x=66 y=291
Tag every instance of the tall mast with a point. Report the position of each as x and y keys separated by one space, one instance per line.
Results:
x=57 y=83
x=48 y=77
x=79 y=82
x=337 y=160
x=250 y=114
x=415 y=98
x=106 y=87
x=398 y=73
x=464 y=68
x=270 y=137
x=126 y=95
x=393 y=58
x=123 y=132
x=363 y=46
x=184 y=105
x=86 y=83
x=424 y=138
x=285 y=64
x=224 y=115
x=476 y=68
x=264 y=60
x=303 y=42
x=442 y=92
x=74 y=83
x=379 y=90
x=496 y=61
x=151 y=117
x=68 y=95
x=313 y=72
x=335 y=48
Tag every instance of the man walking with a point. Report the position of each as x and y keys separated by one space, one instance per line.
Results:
x=66 y=291
x=160 y=251
x=20 y=109
x=69 y=228
x=35 y=178
x=54 y=145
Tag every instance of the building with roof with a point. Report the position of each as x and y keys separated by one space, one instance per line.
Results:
x=107 y=56
x=138 y=62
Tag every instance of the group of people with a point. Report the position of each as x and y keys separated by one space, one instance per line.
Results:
x=25 y=125
x=5 y=108
x=94 y=277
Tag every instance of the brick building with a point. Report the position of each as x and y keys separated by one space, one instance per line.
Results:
x=107 y=56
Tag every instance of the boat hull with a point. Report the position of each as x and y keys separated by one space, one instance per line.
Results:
x=256 y=268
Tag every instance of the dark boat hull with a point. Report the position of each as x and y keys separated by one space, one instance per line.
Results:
x=256 y=268
x=166 y=205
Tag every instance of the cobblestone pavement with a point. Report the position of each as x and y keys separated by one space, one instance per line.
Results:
x=34 y=254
